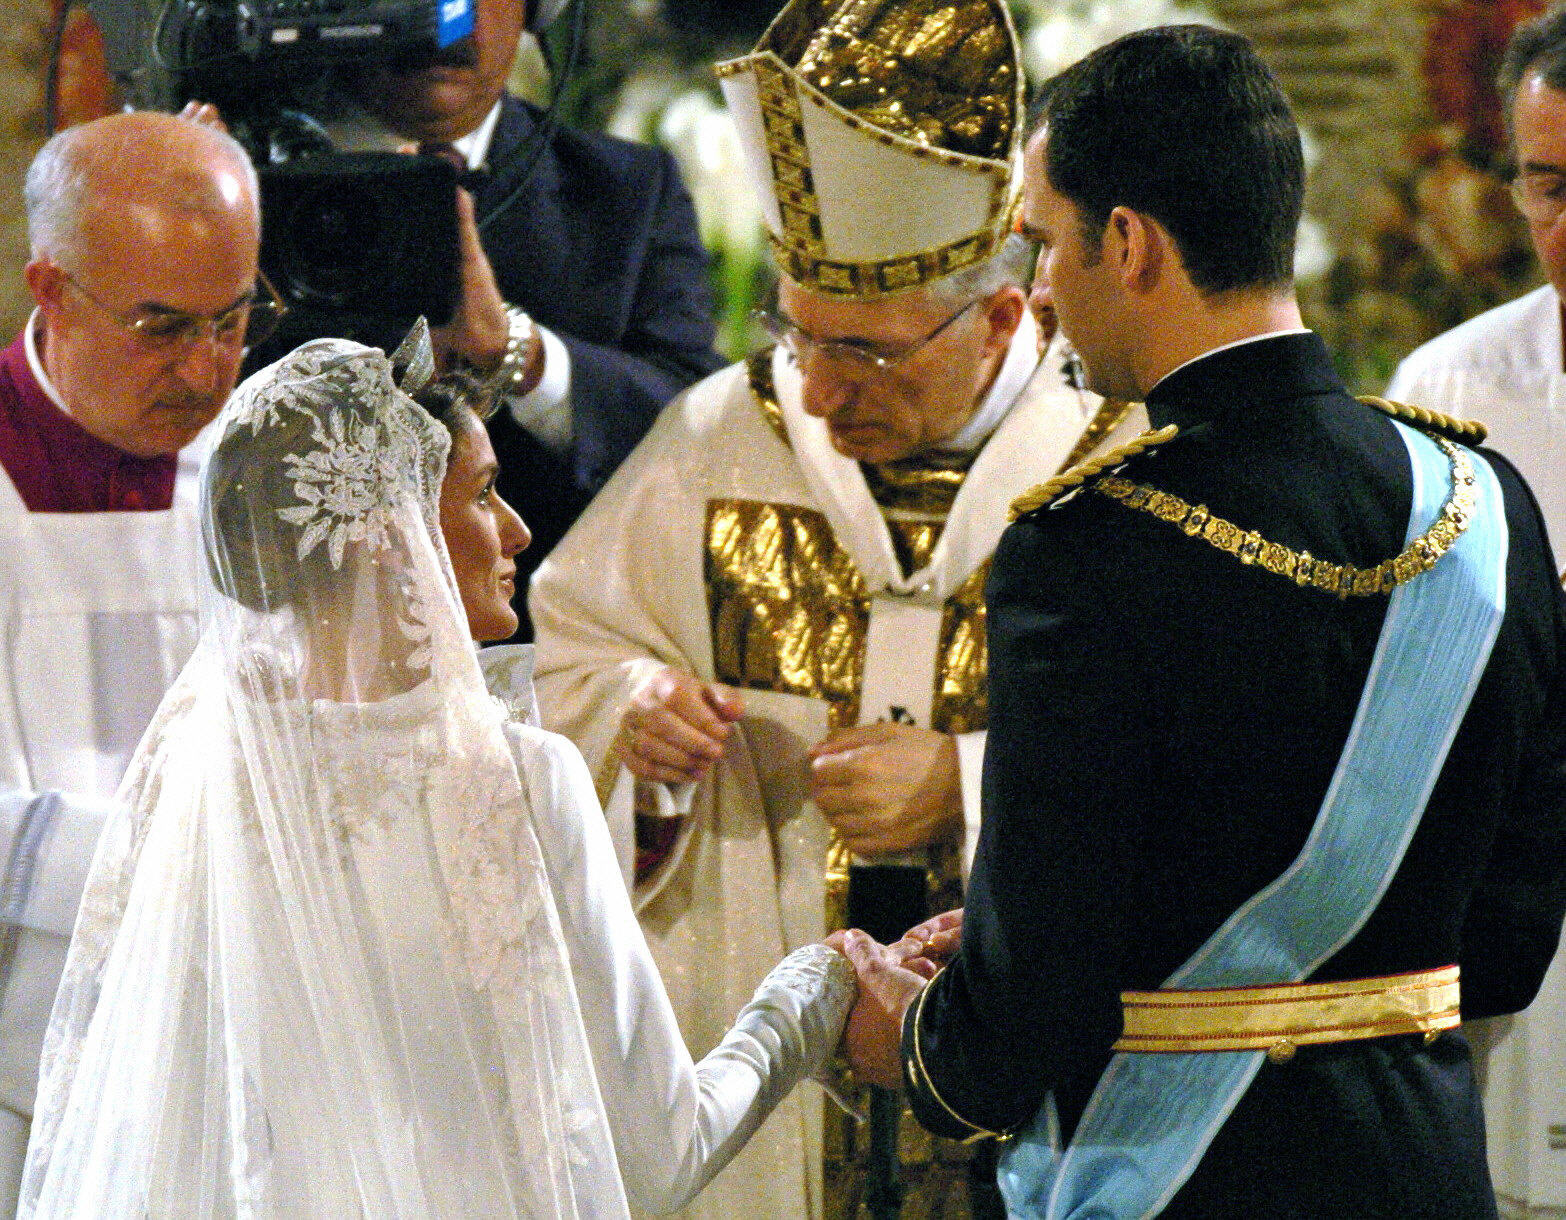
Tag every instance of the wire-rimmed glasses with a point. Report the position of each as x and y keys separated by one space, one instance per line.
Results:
x=863 y=354
x=249 y=321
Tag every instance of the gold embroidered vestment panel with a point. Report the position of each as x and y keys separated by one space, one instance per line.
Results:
x=789 y=610
x=790 y=613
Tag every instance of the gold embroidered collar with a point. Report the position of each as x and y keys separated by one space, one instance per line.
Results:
x=763 y=388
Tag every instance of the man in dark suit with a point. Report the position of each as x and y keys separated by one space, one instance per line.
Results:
x=584 y=280
x=1170 y=699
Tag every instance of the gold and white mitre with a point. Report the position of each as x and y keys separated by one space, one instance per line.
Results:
x=882 y=138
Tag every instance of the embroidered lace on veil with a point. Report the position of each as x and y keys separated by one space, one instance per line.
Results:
x=317 y=971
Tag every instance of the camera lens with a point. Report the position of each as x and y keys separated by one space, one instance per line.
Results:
x=373 y=235
x=334 y=239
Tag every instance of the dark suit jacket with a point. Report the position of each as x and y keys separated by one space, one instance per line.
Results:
x=1164 y=722
x=602 y=249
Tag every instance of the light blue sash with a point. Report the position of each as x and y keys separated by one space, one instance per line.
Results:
x=1152 y=1116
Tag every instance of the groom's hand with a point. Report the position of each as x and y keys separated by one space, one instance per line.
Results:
x=875 y=1026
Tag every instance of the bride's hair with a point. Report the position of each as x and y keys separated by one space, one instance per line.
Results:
x=252 y=553
x=455 y=398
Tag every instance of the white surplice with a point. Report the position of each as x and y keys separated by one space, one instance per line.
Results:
x=627 y=591
x=97 y=617
x=1505 y=368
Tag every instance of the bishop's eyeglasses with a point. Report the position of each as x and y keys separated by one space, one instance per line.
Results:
x=157 y=328
x=863 y=354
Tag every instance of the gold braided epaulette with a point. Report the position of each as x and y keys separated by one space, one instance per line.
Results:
x=1048 y=492
x=1463 y=431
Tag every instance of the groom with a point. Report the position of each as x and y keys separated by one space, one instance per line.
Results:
x=1195 y=675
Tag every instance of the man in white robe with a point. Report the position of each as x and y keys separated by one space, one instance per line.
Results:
x=145 y=230
x=1508 y=367
x=767 y=632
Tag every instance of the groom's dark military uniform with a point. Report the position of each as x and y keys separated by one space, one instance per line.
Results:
x=1164 y=723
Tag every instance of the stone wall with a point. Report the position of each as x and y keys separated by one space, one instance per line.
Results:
x=1416 y=231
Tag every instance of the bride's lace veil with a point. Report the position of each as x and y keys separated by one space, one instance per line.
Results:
x=318 y=971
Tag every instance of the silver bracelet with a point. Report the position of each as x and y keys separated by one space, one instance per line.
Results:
x=520 y=333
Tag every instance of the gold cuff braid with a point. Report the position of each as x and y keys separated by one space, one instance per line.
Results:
x=919 y=1077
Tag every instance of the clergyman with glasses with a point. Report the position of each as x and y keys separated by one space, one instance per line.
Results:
x=767 y=632
x=1508 y=367
x=144 y=230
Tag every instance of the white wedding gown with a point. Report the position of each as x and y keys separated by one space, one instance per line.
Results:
x=356 y=944
x=675 y=1123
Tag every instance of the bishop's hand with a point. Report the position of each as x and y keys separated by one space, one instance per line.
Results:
x=888 y=787
x=676 y=726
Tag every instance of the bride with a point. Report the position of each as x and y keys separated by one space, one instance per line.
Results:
x=322 y=964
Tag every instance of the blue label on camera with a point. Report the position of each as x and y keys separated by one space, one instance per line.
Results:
x=456 y=21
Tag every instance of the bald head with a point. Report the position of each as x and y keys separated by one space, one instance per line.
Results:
x=143 y=160
x=137 y=220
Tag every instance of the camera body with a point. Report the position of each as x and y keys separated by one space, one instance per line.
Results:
x=165 y=52
x=357 y=244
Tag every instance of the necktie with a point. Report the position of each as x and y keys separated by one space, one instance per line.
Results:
x=473 y=179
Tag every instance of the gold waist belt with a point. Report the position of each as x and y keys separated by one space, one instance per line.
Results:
x=1279 y=1018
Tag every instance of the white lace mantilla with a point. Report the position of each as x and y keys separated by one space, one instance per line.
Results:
x=360 y=463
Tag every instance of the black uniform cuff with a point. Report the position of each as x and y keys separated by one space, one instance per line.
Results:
x=934 y=1113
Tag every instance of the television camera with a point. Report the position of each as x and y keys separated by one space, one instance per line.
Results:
x=357 y=243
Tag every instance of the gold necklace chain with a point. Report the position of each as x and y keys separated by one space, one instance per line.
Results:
x=1341 y=579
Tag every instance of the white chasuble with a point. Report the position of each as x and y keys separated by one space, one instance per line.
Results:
x=736 y=545
x=97 y=618
x=1505 y=368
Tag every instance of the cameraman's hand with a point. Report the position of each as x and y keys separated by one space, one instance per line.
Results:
x=479 y=327
x=477 y=330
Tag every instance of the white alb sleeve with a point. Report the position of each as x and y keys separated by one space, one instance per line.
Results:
x=970 y=773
